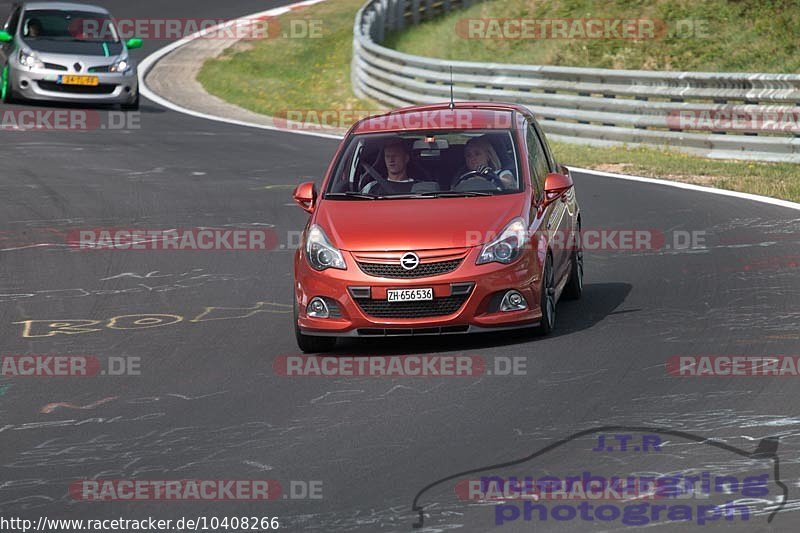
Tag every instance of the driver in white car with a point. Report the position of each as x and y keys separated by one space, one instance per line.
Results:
x=396 y=157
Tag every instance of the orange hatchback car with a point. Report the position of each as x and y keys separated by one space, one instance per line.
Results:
x=433 y=220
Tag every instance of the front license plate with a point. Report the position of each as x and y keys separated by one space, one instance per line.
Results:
x=409 y=295
x=91 y=81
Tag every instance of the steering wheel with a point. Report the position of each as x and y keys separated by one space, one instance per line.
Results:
x=489 y=175
x=369 y=171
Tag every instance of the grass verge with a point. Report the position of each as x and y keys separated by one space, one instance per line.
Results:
x=275 y=75
x=272 y=76
x=709 y=35
x=777 y=180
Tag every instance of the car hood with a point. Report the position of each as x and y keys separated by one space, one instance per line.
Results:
x=416 y=224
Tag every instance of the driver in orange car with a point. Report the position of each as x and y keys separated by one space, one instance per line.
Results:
x=481 y=157
x=396 y=157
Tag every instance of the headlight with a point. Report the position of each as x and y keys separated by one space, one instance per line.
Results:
x=121 y=65
x=30 y=59
x=320 y=252
x=508 y=246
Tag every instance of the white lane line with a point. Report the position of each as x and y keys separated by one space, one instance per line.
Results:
x=153 y=58
x=692 y=187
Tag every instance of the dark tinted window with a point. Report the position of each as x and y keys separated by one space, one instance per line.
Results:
x=444 y=161
x=543 y=138
x=62 y=25
x=13 y=21
x=537 y=160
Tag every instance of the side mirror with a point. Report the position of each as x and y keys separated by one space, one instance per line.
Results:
x=5 y=37
x=305 y=195
x=555 y=185
x=133 y=43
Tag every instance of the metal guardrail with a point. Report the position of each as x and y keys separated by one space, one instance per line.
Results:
x=603 y=107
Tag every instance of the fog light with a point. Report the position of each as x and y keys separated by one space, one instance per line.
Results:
x=513 y=301
x=317 y=308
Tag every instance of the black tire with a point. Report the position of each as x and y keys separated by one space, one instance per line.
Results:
x=133 y=106
x=547 y=299
x=574 y=287
x=312 y=343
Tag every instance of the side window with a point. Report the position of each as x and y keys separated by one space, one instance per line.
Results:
x=551 y=162
x=13 y=21
x=537 y=161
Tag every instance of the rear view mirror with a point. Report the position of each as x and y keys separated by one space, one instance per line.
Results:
x=431 y=143
x=133 y=43
x=5 y=37
x=305 y=196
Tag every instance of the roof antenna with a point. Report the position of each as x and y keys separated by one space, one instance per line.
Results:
x=452 y=102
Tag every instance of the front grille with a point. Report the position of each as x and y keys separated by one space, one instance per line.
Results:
x=389 y=332
x=103 y=88
x=437 y=307
x=105 y=68
x=53 y=66
x=424 y=270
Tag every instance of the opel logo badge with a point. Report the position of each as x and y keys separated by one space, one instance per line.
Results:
x=409 y=261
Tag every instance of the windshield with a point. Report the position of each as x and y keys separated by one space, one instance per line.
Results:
x=438 y=164
x=62 y=25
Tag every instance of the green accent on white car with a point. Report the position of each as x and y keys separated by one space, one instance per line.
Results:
x=4 y=87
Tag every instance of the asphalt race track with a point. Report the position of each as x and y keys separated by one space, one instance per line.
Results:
x=208 y=404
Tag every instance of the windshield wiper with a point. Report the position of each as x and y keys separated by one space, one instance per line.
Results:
x=454 y=194
x=352 y=194
x=428 y=194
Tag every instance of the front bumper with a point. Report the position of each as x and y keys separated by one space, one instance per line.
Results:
x=477 y=312
x=42 y=85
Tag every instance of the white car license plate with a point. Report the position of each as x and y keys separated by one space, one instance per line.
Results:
x=409 y=295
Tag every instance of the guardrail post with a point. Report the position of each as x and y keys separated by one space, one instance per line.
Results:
x=390 y=16
x=381 y=9
x=400 y=15
x=428 y=9
x=415 y=11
